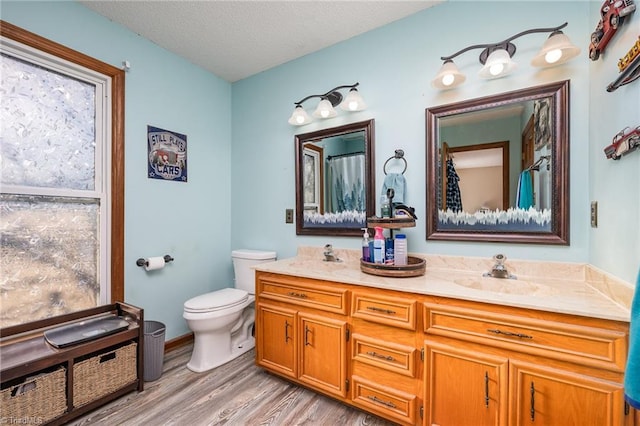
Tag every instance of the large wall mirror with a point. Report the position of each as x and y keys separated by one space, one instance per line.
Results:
x=498 y=167
x=335 y=183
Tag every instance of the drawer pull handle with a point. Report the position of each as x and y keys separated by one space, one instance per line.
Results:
x=380 y=401
x=533 y=403
x=300 y=295
x=286 y=331
x=509 y=333
x=486 y=389
x=306 y=335
x=376 y=355
x=386 y=311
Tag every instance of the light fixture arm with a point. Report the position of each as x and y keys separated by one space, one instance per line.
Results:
x=332 y=95
x=506 y=44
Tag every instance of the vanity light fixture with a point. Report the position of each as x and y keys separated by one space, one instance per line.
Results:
x=496 y=57
x=325 y=109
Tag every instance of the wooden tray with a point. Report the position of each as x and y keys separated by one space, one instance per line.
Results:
x=391 y=222
x=415 y=267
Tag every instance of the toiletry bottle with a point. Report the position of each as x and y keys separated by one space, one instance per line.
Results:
x=378 y=246
x=388 y=251
x=385 y=207
x=400 y=250
x=366 y=255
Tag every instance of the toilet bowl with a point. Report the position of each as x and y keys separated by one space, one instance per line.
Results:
x=222 y=321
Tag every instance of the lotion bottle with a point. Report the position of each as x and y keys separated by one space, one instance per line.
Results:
x=366 y=255
x=378 y=246
x=400 y=250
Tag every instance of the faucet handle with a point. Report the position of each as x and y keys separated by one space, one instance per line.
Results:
x=329 y=255
x=500 y=258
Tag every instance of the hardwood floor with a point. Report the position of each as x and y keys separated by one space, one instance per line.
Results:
x=237 y=393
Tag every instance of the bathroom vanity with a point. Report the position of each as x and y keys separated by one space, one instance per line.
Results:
x=450 y=347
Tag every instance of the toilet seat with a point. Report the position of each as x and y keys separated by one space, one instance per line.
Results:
x=216 y=301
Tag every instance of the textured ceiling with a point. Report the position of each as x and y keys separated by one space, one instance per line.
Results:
x=237 y=39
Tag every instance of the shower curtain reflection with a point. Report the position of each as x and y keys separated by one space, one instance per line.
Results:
x=345 y=183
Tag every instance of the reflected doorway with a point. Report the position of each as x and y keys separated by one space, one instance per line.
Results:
x=483 y=170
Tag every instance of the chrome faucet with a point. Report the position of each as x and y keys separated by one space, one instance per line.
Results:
x=329 y=255
x=499 y=270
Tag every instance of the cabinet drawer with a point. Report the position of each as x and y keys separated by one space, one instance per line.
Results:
x=314 y=296
x=386 y=355
x=384 y=401
x=397 y=312
x=592 y=346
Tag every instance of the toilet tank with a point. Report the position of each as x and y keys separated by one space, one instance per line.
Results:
x=243 y=260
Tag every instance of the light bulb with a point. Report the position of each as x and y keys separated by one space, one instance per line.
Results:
x=353 y=101
x=448 y=79
x=299 y=119
x=496 y=69
x=553 y=56
x=324 y=110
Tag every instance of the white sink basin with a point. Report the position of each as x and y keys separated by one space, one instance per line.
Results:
x=507 y=286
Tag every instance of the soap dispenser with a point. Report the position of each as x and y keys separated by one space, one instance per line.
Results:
x=366 y=254
x=378 y=246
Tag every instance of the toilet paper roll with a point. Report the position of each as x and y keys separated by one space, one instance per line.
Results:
x=154 y=263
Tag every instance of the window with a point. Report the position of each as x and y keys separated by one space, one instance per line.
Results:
x=61 y=198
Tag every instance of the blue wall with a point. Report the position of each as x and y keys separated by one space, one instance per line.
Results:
x=395 y=65
x=241 y=148
x=615 y=185
x=186 y=220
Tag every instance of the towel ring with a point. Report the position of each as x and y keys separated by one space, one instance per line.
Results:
x=399 y=155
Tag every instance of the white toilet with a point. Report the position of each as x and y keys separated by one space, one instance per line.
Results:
x=222 y=321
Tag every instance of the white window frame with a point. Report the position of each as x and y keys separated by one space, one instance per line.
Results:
x=103 y=149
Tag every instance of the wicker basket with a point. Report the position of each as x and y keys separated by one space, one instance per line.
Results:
x=104 y=373
x=38 y=399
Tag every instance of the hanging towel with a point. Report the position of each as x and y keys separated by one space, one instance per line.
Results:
x=524 y=197
x=399 y=185
x=454 y=198
x=632 y=373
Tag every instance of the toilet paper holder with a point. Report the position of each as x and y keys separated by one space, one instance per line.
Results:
x=144 y=262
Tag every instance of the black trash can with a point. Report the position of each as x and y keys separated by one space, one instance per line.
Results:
x=153 y=350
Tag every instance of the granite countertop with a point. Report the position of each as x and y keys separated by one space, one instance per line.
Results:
x=570 y=288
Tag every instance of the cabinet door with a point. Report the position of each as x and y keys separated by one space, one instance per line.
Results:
x=464 y=387
x=323 y=357
x=545 y=396
x=276 y=339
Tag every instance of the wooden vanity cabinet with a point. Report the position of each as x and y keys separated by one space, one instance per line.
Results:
x=464 y=386
x=553 y=396
x=385 y=365
x=301 y=331
x=487 y=365
x=418 y=359
x=277 y=339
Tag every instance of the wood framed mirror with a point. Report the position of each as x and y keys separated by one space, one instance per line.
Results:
x=335 y=181
x=527 y=201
